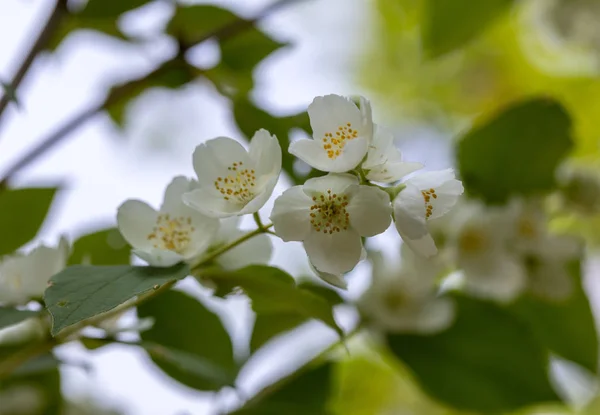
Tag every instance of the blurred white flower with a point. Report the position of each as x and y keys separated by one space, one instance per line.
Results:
x=25 y=277
x=403 y=299
x=330 y=214
x=427 y=196
x=341 y=134
x=231 y=180
x=30 y=330
x=337 y=280
x=384 y=162
x=173 y=234
x=256 y=250
x=481 y=244
x=546 y=256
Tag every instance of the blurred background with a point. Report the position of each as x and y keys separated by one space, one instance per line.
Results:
x=350 y=47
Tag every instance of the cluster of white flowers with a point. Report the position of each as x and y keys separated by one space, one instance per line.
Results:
x=505 y=251
x=329 y=214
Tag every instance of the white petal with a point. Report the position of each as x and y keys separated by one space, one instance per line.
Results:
x=410 y=204
x=379 y=148
x=228 y=230
x=447 y=196
x=424 y=246
x=158 y=257
x=432 y=316
x=291 y=215
x=367 y=116
x=135 y=220
x=430 y=179
x=262 y=197
x=265 y=152
x=337 y=183
x=370 y=210
x=335 y=253
x=212 y=159
x=335 y=280
x=172 y=202
x=501 y=278
x=329 y=112
x=312 y=153
x=391 y=172
x=205 y=229
x=211 y=204
x=257 y=250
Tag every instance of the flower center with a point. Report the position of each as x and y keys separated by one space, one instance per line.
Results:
x=394 y=300
x=239 y=185
x=472 y=241
x=328 y=214
x=333 y=144
x=427 y=195
x=526 y=228
x=171 y=233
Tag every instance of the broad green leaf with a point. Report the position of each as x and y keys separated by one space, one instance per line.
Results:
x=488 y=361
x=171 y=75
x=449 y=24
x=80 y=292
x=23 y=212
x=567 y=328
x=109 y=9
x=273 y=291
x=75 y=23
x=517 y=152
x=331 y=296
x=268 y=326
x=192 y=346
x=306 y=391
x=193 y=23
x=105 y=247
x=10 y=316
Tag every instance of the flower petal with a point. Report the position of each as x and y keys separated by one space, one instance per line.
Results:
x=257 y=250
x=367 y=116
x=370 y=210
x=291 y=214
x=391 y=172
x=410 y=204
x=337 y=183
x=205 y=229
x=262 y=197
x=158 y=257
x=265 y=152
x=135 y=220
x=312 y=153
x=501 y=278
x=335 y=280
x=430 y=179
x=211 y=204
x=335 y=253
x=379 y=148
x=172 y=202
x=329 y=112
x=212 y=158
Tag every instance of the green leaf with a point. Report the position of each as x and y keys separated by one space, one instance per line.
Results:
x=567 y=328
x=273 y=291
x=105 y=247
x=449 y=24
x=191 y=24
x=74 y=23
x=268 y=326
x=23 y=212
x=172 y=74
x=517 y=152
x=192 y=346
x=488 y=361
x=10 y=316
x=80 y=292
x=109 y=9
x=306 y=391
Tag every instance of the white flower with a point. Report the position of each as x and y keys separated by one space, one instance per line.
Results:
x=341 y=134
x=330 y=214
x=256 y=250
x=481 y=248
x=546 y=256
x=173 y=234
x=337 y=280
x=29 y=330
x=427 y=196
x=401 y=299
x=231 y=180
x=25 y=277
x=384 y=162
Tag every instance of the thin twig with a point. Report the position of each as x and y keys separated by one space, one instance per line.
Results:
x=223 y=33
x=40 y=43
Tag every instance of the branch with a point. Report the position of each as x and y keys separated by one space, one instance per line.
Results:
x=223 y=33
x=42 y=40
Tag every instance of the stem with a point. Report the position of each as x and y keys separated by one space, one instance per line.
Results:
x=223 y=33
x=40 y=43
x=259 y=223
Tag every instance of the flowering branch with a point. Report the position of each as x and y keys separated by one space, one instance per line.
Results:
x=42 y=40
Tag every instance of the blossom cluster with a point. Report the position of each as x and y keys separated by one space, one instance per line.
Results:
x=329 y=214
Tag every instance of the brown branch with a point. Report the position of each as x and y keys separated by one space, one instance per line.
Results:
x=40 y=43
x=118 y=93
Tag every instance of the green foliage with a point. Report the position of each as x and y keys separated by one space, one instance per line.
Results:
x=273 y=291
x=23 y=212
x=567 y=328
x=192 y=24
x=449 y=24
x=80 y=292
x=109 y=9
x=517 y=152
x=306 y=391
x=192 y=346
x=105 y=247
x=10 y=316
x=488 y=361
